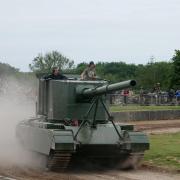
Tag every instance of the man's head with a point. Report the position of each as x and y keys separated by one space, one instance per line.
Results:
x=55 y=71
x=91 y=65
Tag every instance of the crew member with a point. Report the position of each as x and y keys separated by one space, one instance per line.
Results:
x=90 y=72
x=56 y=74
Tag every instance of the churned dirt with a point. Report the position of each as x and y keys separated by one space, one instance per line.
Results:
x=81 y=174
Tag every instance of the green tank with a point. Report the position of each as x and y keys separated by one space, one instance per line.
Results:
x=73 y=124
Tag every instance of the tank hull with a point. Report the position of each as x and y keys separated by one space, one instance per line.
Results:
x=56 y=141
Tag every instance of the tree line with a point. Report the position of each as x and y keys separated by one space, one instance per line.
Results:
x=8 y=72
x=147 y=75
x=165 y=73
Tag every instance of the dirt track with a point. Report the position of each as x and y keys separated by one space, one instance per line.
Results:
x=25 y=173
x=161 y=126
x=140 y=174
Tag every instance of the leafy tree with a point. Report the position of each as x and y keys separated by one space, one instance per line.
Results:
x=175 y=80
x=80 y=67
x=116 y=71
x=44 y=64
x=148 y=75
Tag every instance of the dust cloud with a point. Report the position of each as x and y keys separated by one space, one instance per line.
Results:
x=17 y=102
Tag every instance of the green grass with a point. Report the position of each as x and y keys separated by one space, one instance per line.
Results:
x=164 y=151
x=141 y=108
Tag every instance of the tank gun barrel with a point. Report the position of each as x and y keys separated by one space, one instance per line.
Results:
x=107 y=88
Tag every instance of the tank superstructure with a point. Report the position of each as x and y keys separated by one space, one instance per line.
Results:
x=73 y=121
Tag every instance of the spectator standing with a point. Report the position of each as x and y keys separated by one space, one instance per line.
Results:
x=157 y=91
x=141 y=96
x=177 y=97
x=171 y=95
x=125 y=94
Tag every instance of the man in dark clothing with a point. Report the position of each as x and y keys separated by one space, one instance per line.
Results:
x=56 y=75
x=171 y=95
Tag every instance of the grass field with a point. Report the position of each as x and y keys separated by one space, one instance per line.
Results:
x=116 y=108
x=164 y=151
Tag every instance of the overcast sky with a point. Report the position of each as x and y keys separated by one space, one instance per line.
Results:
x=84 y=30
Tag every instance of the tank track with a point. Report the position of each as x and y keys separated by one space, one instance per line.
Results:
x=61 y=161
x=126 y=161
